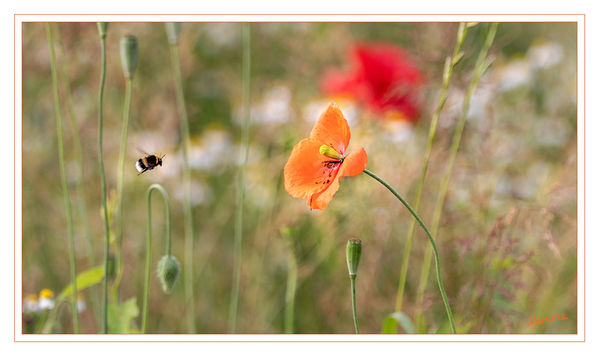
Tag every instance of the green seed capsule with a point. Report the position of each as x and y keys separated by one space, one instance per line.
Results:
x=129 y=55
x=353 y=253
x=168 y=272
x=102 y=29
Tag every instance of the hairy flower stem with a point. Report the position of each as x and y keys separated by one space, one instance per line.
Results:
x=187 y=212
x=430 y=238
x=119 y=188
x=479 y=68
x=240 y=178
x=63 y=178
x=447 y=73
x=103 y=181
x=144 y=315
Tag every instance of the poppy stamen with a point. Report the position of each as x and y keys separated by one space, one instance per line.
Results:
x=331 y=153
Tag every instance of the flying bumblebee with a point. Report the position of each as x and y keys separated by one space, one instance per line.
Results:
x=148 y=162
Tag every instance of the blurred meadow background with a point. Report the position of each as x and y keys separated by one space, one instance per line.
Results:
x=507 y=230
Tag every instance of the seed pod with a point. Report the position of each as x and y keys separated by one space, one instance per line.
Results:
x=353 y=253
x=102 y=29
x=129 y=55
x=168 y=272
x=173 y=29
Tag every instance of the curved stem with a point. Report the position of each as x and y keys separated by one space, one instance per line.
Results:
x=188 y=257
x=479 y=68
x=430 y=238
x=119 y=186
x=447 y=74
x=103 y=188
x=352 y=279
x=240 y=179
x=144 y=316
x=63 y=178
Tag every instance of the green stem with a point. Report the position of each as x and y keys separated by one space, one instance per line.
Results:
x=81 y=203
x=430 y=238
x=352 y=279
x=103 y=187
x=119 y=186
x=63 y=178
x=447 y=73
x=291 y=288
x=144 y=316
x=188 y=216
x=479 y=68
x=240 y=178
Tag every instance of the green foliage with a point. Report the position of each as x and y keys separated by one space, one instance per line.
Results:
x=401 y=319
x=120 y=317
x=84 y=280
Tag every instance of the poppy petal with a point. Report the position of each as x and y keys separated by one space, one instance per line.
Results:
x=305 y=174
x=332 y=129
x=321 y=200
x=354 y=164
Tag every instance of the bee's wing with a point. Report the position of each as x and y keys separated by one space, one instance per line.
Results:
x=142 y=151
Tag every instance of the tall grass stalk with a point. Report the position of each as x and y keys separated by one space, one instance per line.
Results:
x=63 y=178
x=245 y=134
x=447 y=73
x=119 y=187
x=81 y=202
x=431 y=240
x=187 y=211
x=479 y=68
x=102 y=28
x=291 y=284
x=129 y=63
x=144 y=317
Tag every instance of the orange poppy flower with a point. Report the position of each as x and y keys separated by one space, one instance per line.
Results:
x=318 y=162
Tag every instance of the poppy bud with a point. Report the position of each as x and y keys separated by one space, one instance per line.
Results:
x=102 y=28
x=168 y=272
x=129 y=55
x=173 y=29
x=353 y=253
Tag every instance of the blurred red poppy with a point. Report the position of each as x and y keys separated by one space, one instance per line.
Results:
x=382 y=77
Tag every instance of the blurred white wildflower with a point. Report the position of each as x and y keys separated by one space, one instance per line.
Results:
x=223 y=34
x=483 y=96
x=545 y=55
x=30 y=304
x=213 y=149
x=200 y=193
x=452 y=108
x=514 y=73
x=81 y=306
x=275 y=108
x=46 y=300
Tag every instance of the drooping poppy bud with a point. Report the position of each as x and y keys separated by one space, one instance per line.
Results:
x=353 y=253
x=129 y=55
x=168 y=272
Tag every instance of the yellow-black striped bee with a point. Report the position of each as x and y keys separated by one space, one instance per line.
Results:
x=148 y=162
